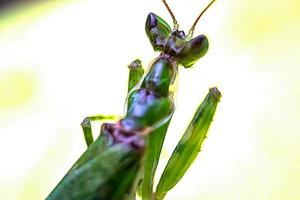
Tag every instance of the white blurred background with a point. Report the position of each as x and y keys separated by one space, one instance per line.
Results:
x=63 y=60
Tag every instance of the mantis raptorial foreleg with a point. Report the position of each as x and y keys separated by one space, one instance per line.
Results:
x=189 y=146
x=135 y=74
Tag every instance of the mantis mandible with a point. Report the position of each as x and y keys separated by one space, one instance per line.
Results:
x=124 y=158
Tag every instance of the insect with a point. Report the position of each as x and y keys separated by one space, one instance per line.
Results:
x=124 y=158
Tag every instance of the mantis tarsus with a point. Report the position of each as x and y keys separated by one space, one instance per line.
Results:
x=123 y=159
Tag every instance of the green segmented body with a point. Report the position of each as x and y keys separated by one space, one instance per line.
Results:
x=128 y=151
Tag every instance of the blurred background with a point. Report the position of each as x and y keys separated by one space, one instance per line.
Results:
x=63 y=60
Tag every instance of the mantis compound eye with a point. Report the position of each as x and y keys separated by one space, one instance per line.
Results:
x=186 y=52
x=158 y=30
x=193 y=50
x=151 y=21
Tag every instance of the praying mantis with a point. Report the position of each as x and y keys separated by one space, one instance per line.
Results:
x=122 y=161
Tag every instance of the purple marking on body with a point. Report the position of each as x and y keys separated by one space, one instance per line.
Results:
x=131 y=138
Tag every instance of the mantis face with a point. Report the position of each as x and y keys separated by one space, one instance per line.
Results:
x=185 y=50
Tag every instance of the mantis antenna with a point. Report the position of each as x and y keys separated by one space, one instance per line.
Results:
x=176 y=25
x=191 y=31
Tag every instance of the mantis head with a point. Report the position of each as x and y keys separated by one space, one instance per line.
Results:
x=186 y=51
x=184 y=48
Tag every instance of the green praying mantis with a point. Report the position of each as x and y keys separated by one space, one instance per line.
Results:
x=122 y=161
